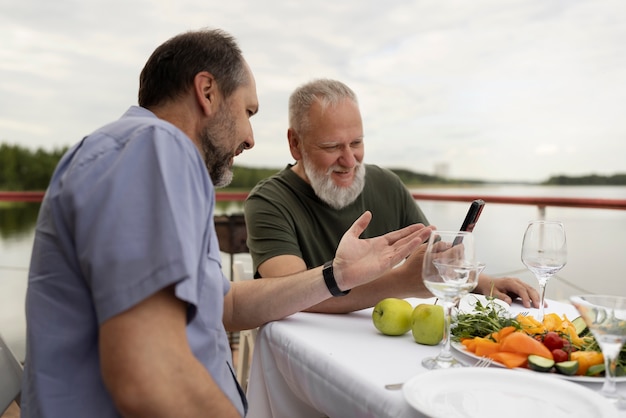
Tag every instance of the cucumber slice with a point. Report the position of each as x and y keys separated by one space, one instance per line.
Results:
x=595 y=370
x=568 y=368
x=540 y=364
x=580 y=326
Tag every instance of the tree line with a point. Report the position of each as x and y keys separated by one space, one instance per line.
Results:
x=22 y=169
x=592 y=180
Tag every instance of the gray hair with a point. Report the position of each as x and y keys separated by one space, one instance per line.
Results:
x=325 y=91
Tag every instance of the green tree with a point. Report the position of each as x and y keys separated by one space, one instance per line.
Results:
x=23 y=169
x=588 y=180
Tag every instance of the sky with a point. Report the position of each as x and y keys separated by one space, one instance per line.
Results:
x=497 y=90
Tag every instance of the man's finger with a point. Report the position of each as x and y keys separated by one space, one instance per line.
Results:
x=360 y=224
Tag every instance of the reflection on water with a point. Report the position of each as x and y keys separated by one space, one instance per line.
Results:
x=17 y=222
x=17 y=219
x=227 y=208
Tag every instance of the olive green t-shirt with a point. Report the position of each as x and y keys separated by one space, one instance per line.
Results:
x=285 y=217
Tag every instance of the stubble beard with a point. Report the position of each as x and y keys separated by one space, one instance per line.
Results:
x=217 y=158
x=325 y=188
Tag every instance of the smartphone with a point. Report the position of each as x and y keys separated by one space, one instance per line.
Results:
x=472 y=215
x=476 y=207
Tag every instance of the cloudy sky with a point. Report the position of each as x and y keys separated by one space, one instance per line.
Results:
x=495 y=89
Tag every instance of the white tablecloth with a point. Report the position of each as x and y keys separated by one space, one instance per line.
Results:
x=322 y=365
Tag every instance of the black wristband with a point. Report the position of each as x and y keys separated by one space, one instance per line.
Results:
x=329 y=279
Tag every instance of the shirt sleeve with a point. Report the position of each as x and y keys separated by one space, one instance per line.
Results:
x=270 y=230
x=141 y=220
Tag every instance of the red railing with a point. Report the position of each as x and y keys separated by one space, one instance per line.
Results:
x=21 y=196
x=541 y=202
x=38 y=196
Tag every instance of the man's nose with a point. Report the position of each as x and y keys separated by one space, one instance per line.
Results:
x=347 y=158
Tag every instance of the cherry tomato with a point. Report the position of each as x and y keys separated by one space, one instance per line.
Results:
x=559 y=355
x=567 y=346
x=553 y=341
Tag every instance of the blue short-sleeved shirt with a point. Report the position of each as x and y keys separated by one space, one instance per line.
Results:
x=129 y=211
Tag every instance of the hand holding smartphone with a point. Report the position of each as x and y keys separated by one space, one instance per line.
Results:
x=475 y=209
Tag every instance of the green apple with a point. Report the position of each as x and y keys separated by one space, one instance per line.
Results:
x=392 y=316
x=427 y=324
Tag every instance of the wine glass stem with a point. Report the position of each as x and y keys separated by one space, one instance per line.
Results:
x=542 y=299
x=445 y=351
x=610 y=364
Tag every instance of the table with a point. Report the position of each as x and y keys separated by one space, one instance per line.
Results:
x=326 y=365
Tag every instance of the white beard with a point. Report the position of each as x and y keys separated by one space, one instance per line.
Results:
x=334 y=196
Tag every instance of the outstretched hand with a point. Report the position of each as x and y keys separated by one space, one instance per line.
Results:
x=358 y=261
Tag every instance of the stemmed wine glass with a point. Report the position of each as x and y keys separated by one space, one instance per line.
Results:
x=544 y=253
x=606 y=318
x=450 y=271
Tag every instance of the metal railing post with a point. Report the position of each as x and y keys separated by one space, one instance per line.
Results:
x=542 y=212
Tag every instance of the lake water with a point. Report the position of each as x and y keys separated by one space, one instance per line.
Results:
x=596 y=244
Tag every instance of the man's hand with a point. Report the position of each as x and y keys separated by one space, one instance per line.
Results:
x=508 y=289
x=411 y=271
x=359 y=261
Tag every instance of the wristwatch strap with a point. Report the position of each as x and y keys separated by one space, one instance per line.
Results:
x=329 y=279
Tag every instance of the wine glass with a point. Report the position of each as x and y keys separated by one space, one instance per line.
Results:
x=606 y=318
x=544 y=252
x=450 y=271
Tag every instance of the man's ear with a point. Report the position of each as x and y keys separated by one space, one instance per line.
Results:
x=206 y=92
x=294 y=144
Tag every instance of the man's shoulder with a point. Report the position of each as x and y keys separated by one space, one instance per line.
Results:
x=139 y=125
x=138 y=122
x=274 y=183
x=377 y=173
x=141 y=143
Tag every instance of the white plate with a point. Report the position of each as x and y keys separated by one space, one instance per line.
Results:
x=477 y=392
x=581 y=379
x=468 y=303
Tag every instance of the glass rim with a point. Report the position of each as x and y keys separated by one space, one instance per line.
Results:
x=595 y=295
x=545 y=221
x=441 y=231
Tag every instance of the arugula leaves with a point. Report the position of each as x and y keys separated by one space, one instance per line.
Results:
x=484 y=320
